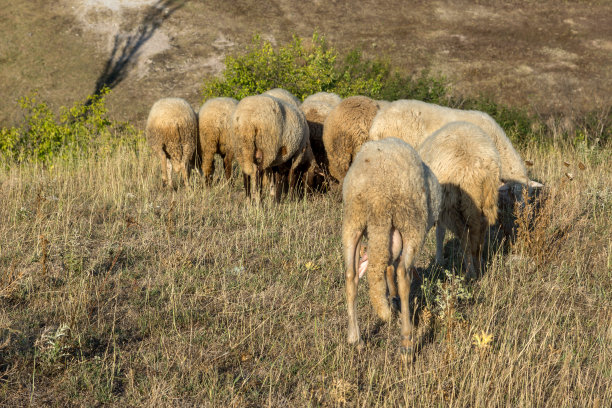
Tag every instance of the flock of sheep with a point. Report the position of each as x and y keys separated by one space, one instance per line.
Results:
x=404 y=166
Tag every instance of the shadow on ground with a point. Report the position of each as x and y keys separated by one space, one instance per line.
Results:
x=127 y=46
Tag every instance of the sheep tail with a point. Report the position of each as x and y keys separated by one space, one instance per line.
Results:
x=247 y=132
x=379 y=243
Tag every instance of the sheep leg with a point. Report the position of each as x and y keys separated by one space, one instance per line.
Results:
x=476 y=240
x=208 y=166
x=256 y=186
x=310 y=175
x=468 y=263
x=390 y=274
x=294 y=169
x=283 y=183
x=280 y=185
x=404 y=279
x=197 y=161
x=164 y=167
x=273 y=180
x=293 y=178
x=246 y=180
x=255 y=193
x=270 y=182
x=351 y=257
x=440 y=232
x=227 y=165
x=185 y=172
x=392 y=287
x=169 y=173
x=396 y=248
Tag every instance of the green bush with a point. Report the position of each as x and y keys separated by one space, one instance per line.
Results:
x=84 y=127
x=306 y=69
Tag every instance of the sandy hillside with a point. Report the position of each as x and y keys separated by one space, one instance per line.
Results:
x=550 y=56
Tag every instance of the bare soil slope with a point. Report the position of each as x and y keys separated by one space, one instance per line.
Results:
x=551 y=56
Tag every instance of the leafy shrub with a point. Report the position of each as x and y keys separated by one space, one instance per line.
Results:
x=83 y=127
x=293 y=67
x=306 y=69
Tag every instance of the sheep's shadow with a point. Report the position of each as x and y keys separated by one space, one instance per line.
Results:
x=498 y=238
x=126 y=47
x=512 y=205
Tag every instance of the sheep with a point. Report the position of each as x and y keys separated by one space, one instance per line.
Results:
x=468 y=167
x=382 y=104
x=172 y=132
x=390 y=192
x=328 y=98
x=413 y=121
x=345 y=130
x=316 y=108
x=214 y=126
x=270 y=138
x=284 y=96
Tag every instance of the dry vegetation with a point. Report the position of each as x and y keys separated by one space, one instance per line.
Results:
x=116 y=291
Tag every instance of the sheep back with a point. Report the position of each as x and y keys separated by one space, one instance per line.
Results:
x=466 y=162
x=265 y=127
x=327 y=98
x=172 y=126
x=215 y=125
x=389 y=179
x=399 y=119
x=316 y=108
x=413 y=121
x=284 y=96
x=345 y=130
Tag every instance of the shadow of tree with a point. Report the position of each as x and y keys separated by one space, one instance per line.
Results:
x=126 y=46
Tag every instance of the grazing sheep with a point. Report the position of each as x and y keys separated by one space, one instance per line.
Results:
x=316 y=108
x=328 y=98
x=390 y=192
x=214 y=124
x=270 y=138
x=412 y=121
x=172 y=132
x=284 y=96
x=345 y=130
x=465 y=161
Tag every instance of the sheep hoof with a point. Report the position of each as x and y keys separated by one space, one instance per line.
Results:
x=406 y=346
x=360 y=345
x=406 y=350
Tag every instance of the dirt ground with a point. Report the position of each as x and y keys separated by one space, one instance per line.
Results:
x=550 y=56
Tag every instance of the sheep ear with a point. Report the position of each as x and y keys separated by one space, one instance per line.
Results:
x=534 y=184
x=504 y=187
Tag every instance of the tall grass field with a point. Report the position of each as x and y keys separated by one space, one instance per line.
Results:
x=117 y=291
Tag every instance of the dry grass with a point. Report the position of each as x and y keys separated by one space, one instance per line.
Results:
x=116 y=291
